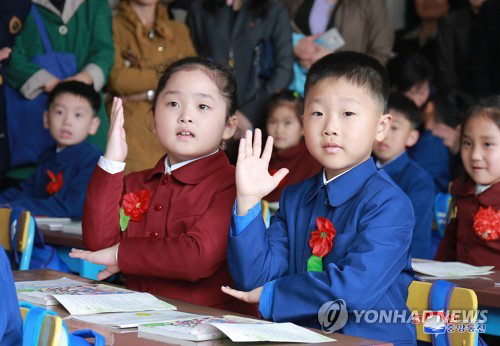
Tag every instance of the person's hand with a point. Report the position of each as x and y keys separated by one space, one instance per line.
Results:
x=449 y=135
x=244 y=123
x=252 y=297
x=319 y=52
x=106 y=257
x=51 y=84
x=5 y=53
x=116 y=147
x=253 y=181
x=83 y=77
x=305 y=48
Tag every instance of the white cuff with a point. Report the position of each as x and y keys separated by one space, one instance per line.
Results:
x=110 y=166
x=35 y=84
x=116 y=254
x=97 y=75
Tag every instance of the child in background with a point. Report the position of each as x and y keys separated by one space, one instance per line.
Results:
x=411 y=178
x=366 y=262
x=473 y=234
x=57 y=188
x=285 y=126
x=166 y=228
x=11 y=324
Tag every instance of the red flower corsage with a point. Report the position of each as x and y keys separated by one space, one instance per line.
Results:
x=487 y=223
x=134 y=206
x=321 y=243
x=55 y=182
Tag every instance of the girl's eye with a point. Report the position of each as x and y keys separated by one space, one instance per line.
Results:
x=394 y=128
x=203 y=107
x=489 y=144
x=318 y=114
x=465 y=143
x=348 y=114
x=77 y=115
x=173 y=104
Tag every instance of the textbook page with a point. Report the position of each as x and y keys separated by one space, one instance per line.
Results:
x=450 y=269
x=275 y=332
x=134 y=319
x=100 y=303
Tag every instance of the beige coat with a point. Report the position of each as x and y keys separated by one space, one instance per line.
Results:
x=138 y=60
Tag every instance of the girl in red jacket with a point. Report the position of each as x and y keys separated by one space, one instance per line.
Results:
x=473 y=235
x=166 y=228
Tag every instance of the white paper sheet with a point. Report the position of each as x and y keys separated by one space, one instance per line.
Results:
x=134 y=319
x=449 y=269
x=275 y=332
x=95 y=303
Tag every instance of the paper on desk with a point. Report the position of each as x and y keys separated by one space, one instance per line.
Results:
x=450 y=269
x=134 y=319
x=96 y=304
x=275 y=332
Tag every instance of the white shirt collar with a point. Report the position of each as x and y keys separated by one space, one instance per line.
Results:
x=170 y=168
x=381 y=165
x=335 y=177
x=481 y=188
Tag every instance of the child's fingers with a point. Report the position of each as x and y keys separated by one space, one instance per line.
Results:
x=248 y=142
x=257 y=143
x=241 y=150
x=279 y=175
x=232 y=292
x=268 y=149
x=104 y=274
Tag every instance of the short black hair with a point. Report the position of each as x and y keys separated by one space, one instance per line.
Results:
x=78 y=89
x=286 y=96
x=451 y=106
x=357 y=68
x=402 y=104
x=406 y=70
x=220 y=74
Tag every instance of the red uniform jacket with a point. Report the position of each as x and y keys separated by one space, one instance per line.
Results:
x=460 y=243
x=300 y=164
x=178 y=249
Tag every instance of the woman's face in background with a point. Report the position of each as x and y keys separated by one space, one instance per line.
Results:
x=431 y=9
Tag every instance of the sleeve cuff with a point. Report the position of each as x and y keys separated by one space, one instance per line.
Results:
x=266 y=300
x=242 y=221
x=34 y=85
x=97 y=75
x=112 y=167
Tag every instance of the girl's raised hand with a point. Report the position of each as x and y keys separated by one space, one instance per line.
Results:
x=116 y=147
x=253 y=181
x=106 y=257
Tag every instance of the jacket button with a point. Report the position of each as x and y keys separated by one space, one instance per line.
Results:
x=154 y=235
x=164 y=181
x=158 y=207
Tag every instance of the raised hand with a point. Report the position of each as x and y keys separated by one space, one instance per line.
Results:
x=116 y=147
x=253 y=181
x=106 y=257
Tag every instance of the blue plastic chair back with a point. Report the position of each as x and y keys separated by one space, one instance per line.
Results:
x=441 y=206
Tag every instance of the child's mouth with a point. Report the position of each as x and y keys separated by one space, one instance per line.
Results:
x=185 y=134
x=65 y=134
x=331 y=148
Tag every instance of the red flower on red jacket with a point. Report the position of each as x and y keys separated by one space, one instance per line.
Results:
x=55 y=182
x=487 y=223
x=136 y=203
x=321 y=241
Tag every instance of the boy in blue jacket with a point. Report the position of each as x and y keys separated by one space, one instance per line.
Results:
x=291 y=270
x=58 y=186
x=11 y=324
x=412 y=179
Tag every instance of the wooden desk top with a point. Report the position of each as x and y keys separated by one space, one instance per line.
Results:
x=131 y=338
x=63 y=239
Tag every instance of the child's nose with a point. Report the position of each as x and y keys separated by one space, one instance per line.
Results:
x=331 y=126
x=476 y=153
x=185 y=117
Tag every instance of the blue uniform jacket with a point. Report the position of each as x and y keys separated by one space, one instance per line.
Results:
x=11 y=325
x=433 y=156
x=419 y=187
x=369 y=266
x=77 y=163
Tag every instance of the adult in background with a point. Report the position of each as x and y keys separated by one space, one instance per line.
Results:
x=252 y=36
x=144 y=39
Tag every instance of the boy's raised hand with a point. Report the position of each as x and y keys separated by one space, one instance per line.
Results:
x=116 y=147
x=106 y=257
x=253 y=181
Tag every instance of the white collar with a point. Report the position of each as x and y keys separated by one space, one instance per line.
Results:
x=169 y=168
x=381 y=165
x=335 y=177
x=481 y=188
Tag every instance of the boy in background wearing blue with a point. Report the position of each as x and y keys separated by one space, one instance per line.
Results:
x=411 y=178
x=369 y=265
x=58 y=186
x=11 y=325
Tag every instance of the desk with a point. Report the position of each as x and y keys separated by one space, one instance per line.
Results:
x=131 y=338
x=61 y=238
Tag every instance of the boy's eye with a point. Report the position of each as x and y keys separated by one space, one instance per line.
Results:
x=394 y=128
x=465 y=143
x=489 y=144
x=348 y=114
x=203 y=107
x=319 y=114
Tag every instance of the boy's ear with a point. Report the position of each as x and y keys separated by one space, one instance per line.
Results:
x=230 y=127
x=412 y=138
x=384 y=125
x=45 y=120
x=94 y=125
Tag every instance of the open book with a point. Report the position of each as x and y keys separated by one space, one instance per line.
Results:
x=236 y=328
x=449 y=269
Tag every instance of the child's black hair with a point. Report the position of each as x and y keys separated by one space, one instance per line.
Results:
x=222 y=76
x=258 y=7
x=78 y=89
x=357 y=68
x=292 y=98
x=402 y=104
x=451 y=106
x=406 y=70
x=488 y=107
